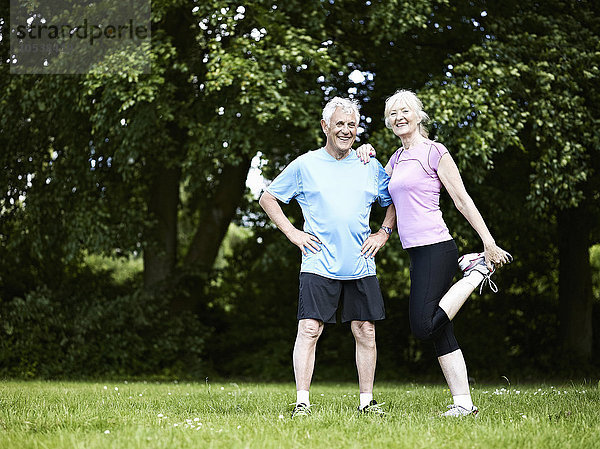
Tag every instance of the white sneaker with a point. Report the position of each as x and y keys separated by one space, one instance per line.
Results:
x=301 y=410
x=473 y=261
x=458 y=411
x=476 y=262
x=373 y=409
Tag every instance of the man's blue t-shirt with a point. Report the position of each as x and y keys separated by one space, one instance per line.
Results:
x=335 y=198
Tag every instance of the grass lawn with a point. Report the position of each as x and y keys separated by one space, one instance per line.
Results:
x=228 y=415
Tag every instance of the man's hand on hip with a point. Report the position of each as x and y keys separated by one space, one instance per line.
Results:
x=304 y=241
x=374 y=243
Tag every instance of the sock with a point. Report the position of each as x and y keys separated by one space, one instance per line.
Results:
x=474 y=278
x=464 y=400
x=302 y=397
x=365 y=399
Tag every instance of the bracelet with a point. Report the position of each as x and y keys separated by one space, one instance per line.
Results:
x=387 y=230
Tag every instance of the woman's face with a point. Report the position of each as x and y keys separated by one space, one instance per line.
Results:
x=404 y=120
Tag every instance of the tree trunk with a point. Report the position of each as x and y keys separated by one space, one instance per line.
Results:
x=575 y=282
x=160 y=254
x=212 y=227
x=214 y=222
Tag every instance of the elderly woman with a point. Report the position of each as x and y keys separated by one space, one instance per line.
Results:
x=418 y=170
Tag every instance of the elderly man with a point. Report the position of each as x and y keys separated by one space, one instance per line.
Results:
x=335 y=192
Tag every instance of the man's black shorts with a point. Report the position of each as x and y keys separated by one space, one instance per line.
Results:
x=320 y=297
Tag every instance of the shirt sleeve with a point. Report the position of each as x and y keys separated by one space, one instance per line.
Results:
x=436 y=151
x=383 y=181
x=286 y=185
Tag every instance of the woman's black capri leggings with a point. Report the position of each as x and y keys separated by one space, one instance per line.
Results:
x=432 y=268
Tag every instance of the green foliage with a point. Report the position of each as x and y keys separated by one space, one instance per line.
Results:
x=84 y=150
x=530 y=86
x=121 y=270
x=259 y=288
x=595 y=263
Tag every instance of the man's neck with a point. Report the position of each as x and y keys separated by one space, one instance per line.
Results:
x=338 y=154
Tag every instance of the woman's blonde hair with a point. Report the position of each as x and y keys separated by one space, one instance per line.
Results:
x=413 y=103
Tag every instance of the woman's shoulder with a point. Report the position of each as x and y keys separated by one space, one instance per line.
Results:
x=394 y=157
x=398 y=151
x=436 y=151
x=434 y=143
x=437 y=147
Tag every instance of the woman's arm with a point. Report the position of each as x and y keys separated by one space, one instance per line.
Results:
x=452 y=181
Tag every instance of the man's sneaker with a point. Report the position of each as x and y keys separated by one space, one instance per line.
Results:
x=373 y=409
x=458 y=411
x=476 y=262
x=301 y=410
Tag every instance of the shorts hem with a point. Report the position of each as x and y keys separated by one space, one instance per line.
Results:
x=340 y=278
x=344 y=321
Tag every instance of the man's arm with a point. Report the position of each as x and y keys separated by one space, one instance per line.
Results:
x=376 y=241
x=299 y=238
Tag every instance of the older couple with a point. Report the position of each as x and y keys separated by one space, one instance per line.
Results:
x=335 y=188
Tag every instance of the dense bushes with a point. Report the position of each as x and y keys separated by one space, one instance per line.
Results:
x=85 y=324
x=90 y=327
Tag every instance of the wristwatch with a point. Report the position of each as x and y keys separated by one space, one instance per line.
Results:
x=387 y=230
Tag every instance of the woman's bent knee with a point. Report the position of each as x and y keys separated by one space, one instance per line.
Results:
x=423 y=333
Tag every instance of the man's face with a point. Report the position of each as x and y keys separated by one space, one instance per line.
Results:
x=340 y=131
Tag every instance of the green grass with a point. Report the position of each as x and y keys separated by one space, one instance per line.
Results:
x=228 y=415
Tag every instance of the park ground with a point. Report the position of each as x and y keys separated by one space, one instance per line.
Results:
x=144 y=414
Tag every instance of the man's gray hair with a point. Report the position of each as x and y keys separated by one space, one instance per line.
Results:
x=349 y=106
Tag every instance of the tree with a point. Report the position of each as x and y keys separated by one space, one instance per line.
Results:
x=531 y=86
x=126 y=158
x=226 y=81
